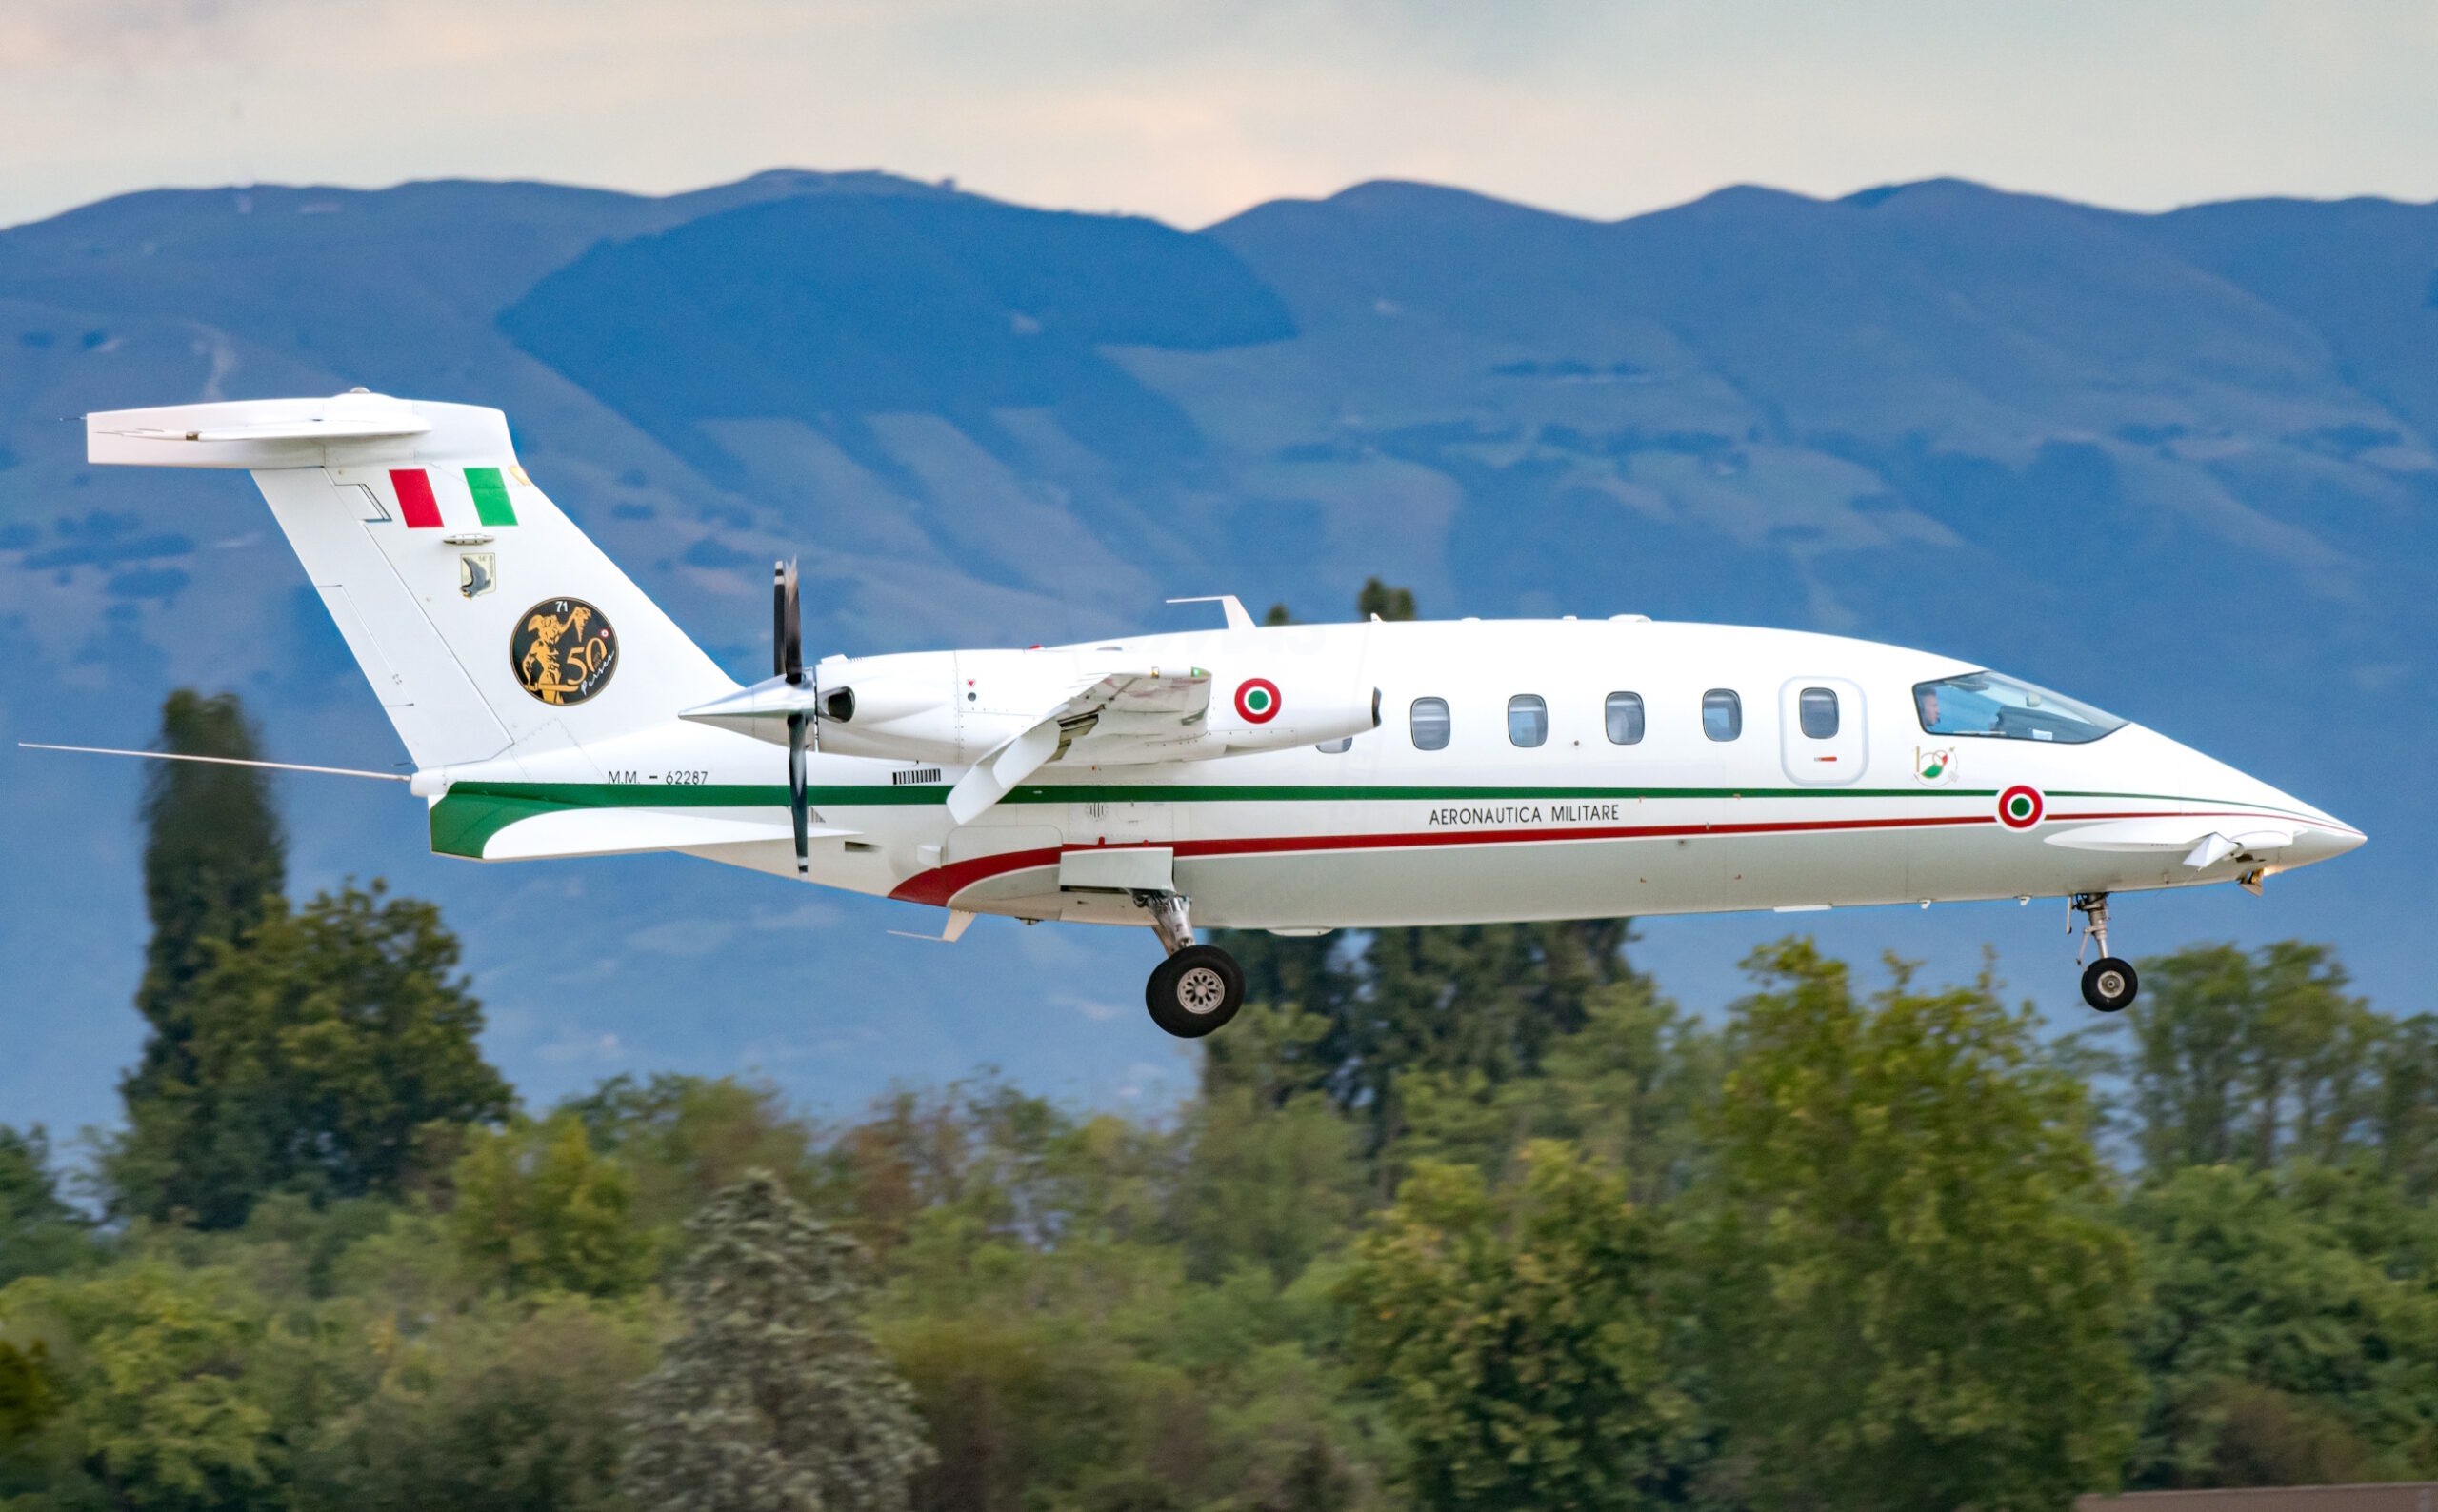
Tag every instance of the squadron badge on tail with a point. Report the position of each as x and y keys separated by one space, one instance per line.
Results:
x=563 y=650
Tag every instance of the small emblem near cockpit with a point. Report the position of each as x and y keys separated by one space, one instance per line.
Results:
x=477 y=573
x=1936 y=768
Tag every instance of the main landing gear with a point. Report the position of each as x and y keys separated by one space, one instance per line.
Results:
x=1199 y=988
x=2110 y=983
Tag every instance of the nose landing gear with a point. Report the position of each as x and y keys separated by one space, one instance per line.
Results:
x=2110 y=983
x=1199 y=988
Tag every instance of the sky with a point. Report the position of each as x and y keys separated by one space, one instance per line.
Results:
x=1192 y=109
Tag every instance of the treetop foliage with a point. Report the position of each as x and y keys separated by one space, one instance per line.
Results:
x=214 y=850
x=318 y=1049
x=774 y=1396
x=1887 y=1170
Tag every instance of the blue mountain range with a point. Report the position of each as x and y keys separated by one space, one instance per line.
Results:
x=2185 y=466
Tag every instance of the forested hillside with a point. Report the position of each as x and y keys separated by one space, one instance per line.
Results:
x=1454 y=1218
x=2180 y=465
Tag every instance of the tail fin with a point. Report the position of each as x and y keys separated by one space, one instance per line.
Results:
x=484 y=618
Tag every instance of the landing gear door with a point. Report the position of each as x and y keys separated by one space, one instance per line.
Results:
x=1821 y=731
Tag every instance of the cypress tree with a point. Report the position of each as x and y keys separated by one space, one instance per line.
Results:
x=214 y=855
x=776 y=1398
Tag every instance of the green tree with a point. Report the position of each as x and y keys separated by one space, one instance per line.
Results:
x=39 y=1232
x=1516 y=1338
x=154 y=1375
x=2404 y=1115
x=2290 y=1334
x=1915 y=1295
x=320 y=1048
x=26 y=1398
x=686 y=1136
x=216 y=856
x=1628 y=1087
x=1379 y=599
x=497 y=1404
x=536 y=1208
x=774 y=1396
x=1273 y=1188
x=2249 y=1058
x=1475 y=1002
x=1471 y=1007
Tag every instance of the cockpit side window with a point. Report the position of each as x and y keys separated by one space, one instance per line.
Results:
x=1986 y=704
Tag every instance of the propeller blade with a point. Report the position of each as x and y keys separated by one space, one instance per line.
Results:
x=787 y=624
x=796 y=809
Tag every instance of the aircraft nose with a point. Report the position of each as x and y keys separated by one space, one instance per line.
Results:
x=2325 y=838
x=2242 y=801
x=2318 y=834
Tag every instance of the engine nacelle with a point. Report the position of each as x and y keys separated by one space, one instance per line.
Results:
x=901 y=707
x=954 y=708
x=1273 y=690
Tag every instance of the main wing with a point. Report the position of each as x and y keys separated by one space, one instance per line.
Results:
x=1123 y=719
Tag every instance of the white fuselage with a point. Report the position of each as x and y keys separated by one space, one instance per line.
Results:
x=1293 y=778
x=1482 y=829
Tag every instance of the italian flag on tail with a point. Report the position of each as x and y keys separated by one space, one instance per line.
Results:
x=419 y=504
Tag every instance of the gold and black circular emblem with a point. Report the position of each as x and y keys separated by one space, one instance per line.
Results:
x=563 y=650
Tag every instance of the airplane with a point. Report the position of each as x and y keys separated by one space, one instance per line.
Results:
x=1297 y=778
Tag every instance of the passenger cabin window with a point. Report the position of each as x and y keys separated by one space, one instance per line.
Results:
x=1815 y=710
x=1987 y=705
x=1625 y=719
x=1527 y=719
x=1722 y=714
x=1430 y=723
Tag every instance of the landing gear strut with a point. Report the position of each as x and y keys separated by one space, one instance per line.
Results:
x=2110 y=983
x=1199 y=988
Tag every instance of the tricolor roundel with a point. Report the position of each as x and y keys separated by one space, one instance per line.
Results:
x=1257 y=700
x=2020 y=808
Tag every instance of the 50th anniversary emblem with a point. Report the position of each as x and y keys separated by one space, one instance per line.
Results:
x=563 y=650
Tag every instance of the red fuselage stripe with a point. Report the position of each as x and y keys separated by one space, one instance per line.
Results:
x=942 y=883
x=937 y=887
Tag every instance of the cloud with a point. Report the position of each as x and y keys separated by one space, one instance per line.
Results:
x=683 y=937
x=1097 y=1009
x=1191 y=112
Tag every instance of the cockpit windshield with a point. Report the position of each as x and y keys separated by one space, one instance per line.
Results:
x=1986 y=704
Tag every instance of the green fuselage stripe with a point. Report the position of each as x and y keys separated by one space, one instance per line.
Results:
x=474 y=811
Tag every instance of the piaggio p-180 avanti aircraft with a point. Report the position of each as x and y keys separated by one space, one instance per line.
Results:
x=1294 y=778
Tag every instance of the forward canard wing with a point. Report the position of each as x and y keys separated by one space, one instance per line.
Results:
x=2200 y=841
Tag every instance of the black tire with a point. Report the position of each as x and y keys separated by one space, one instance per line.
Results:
x=1194 y=991
x=2110 y=984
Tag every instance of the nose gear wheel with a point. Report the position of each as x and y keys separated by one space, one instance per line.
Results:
x=2110 y=983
